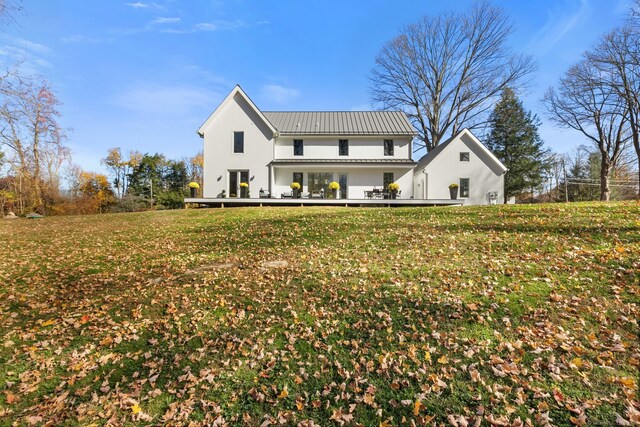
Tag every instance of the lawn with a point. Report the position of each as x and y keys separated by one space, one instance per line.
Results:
x=503 y=316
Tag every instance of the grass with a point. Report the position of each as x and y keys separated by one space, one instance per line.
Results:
x=382 y=316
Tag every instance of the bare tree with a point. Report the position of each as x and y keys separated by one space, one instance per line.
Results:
x=581 y=102
x=445 y=71
x=29 y=128
x=617 y=57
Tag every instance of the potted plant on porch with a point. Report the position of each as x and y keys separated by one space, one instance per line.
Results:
x=334 y=187
x=244 y=190
x=393 y=188
x=295 y=189
x=193 y=188
x=453 y=191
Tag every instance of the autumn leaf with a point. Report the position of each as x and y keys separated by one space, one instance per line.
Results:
x=416 y=407
x=136 y=409
x=284 y=393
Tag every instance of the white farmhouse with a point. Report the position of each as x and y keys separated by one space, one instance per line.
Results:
x=254 y=153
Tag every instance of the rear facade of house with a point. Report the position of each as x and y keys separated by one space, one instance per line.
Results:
x=362 y=151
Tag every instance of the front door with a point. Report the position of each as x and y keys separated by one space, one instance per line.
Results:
x=342 y=180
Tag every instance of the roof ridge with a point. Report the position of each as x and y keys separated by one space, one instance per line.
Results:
x=332 y=111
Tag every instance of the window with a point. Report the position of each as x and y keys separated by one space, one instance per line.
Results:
x=464 y=157
x=464 y=187
x=238 y=142
x=319 y=181
x=343 y=147
x=387 y=178
x=299 y=178
x=388 y=147
x=298 y=147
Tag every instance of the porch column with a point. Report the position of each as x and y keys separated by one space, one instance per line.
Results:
x=271 y=179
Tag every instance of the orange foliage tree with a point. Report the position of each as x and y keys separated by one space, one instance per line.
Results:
x=95 y=192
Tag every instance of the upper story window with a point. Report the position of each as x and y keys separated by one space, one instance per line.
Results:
x=298 y=147
x=343 y=147
x=238 y=142
x=388 y=147
x=464 y=187
x=464 y=157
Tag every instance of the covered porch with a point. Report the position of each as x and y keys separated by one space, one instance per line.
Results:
x=358 y=179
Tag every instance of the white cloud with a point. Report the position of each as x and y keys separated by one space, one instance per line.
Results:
x=79 y=39
x=279 y=94
x=27 y=55
x=137 y=5
x=163 y=20
x=220 y=25
x=166 y=101
x=559 y=23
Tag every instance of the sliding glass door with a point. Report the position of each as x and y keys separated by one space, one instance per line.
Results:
x=235 y=178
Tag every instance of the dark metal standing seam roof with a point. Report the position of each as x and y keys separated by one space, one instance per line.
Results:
x=340 y=122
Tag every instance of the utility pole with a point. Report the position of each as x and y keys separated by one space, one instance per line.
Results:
x=566 y=192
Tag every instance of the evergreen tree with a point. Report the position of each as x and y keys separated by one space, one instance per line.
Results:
x=514 y=139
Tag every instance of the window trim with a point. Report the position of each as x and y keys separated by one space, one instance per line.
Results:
x=384 y=147
x=340 y=141
x=239 y=132
x=468 y=155
x=301 y=147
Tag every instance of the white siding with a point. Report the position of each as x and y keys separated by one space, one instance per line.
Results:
x=447 y=169
x=236 y=115
x=327 y=147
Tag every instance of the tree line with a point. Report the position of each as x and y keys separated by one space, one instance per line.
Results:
x=37 y=173
x=457 y=70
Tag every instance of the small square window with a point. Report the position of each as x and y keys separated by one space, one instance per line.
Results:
x=464 y=157
x=464 y=187
x=388 y=147
x=238 y=142
x=298 y=147
x=343 y=147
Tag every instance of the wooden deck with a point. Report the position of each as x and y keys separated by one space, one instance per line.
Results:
x=237 y=202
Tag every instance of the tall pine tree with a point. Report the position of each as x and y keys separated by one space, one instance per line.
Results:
x=514 y=139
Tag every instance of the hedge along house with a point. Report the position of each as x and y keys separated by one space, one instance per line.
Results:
x=269 y=150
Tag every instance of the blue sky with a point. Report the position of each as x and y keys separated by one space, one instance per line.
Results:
x=143 y=75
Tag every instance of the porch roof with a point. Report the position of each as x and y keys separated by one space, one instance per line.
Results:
x=390 y=162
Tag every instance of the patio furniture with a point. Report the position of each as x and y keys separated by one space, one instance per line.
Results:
x=288 y=195
x=264 y=194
